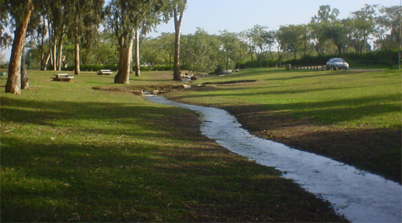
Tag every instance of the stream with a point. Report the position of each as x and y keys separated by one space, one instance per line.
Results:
x=358 y=195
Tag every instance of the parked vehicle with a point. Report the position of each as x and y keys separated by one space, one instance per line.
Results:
x=337 y=63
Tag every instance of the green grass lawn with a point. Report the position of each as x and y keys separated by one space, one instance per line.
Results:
x=71 y=153
x=353 y=116
x=351 y=98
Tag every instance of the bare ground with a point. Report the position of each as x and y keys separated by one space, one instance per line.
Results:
x=375 y=150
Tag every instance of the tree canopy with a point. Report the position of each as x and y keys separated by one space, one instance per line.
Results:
x=64 y=34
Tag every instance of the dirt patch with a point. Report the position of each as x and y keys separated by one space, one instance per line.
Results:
x=138 y=90
x=232 y=82
x=375 y=150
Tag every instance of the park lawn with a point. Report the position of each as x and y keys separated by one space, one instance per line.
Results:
x=72 y=153
x=352 y=116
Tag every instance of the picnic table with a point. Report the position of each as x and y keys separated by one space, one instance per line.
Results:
x=105 y=72
x=63 y=77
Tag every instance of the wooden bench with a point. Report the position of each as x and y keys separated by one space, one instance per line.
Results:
x=105 y=72
x=63 y=77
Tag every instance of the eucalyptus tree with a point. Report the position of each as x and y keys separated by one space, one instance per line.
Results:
x=363 y=24
x=166 y=41
x=292 y=38
x=200 y=51
x=325 y=15
x=318 y=25
x=5 y=37
x=259 y=40
x=20 y=11
x=233 y=48
x=152 y=52
x=228 y=40
x=125 y=17
x=339 y=33
x=176 y=10
x=86 y=16
x=388 y=27
x=56 y=18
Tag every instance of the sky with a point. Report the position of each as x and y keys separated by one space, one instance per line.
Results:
x=239 y=15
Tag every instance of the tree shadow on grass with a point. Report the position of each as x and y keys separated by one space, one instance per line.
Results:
x=70 y=182
x=166 y=171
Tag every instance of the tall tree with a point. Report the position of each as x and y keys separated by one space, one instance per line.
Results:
x=259 y=40
x=339 y=33
x=325 y=15
x=363 y=23
x=200 y=51
x=167 y=44
x=388 y=33
x=56 y=14
x=178 y=7
x=86 y=16
x=20 y=10
x=292 y=38
x=318 y=27
x=124 y=18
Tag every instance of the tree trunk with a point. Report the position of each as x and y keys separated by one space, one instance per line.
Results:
x=14 y=69
x=42 y=46
x=46 y=61
x=126 y=47
x=339 y=50
x=176 y=62
x=53 y=60
x=77 y=48
x=77 y=58
x=24 y=75
x=59 y=56
x=52 y=46
x=137 y=53
x=59 y=61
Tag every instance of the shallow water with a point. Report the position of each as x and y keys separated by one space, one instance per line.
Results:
x=358 y=195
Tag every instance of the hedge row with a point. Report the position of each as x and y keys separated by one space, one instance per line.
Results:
x=377 y=58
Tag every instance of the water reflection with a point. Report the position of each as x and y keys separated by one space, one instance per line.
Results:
x=358 y=195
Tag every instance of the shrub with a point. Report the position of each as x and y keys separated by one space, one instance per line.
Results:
x=219 y=69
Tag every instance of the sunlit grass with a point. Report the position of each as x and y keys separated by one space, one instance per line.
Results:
x=331 y=113
x=348 y=98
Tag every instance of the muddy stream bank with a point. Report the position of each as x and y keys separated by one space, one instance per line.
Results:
x=358 y=195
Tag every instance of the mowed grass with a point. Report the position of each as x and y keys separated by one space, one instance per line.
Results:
x=353 y=116
x=348 y=98
x=71 y=153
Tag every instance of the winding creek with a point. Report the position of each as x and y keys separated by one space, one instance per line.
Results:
x=358 y=195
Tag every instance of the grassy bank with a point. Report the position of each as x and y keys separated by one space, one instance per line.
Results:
x=352 y=116
x=70 y=153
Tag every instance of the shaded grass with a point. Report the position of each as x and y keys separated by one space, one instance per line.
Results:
x=318 y=111
x=69 y=153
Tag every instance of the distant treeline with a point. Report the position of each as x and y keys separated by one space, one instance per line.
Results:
x=387 y=59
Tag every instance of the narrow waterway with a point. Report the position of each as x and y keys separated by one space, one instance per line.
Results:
x=358 y=195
